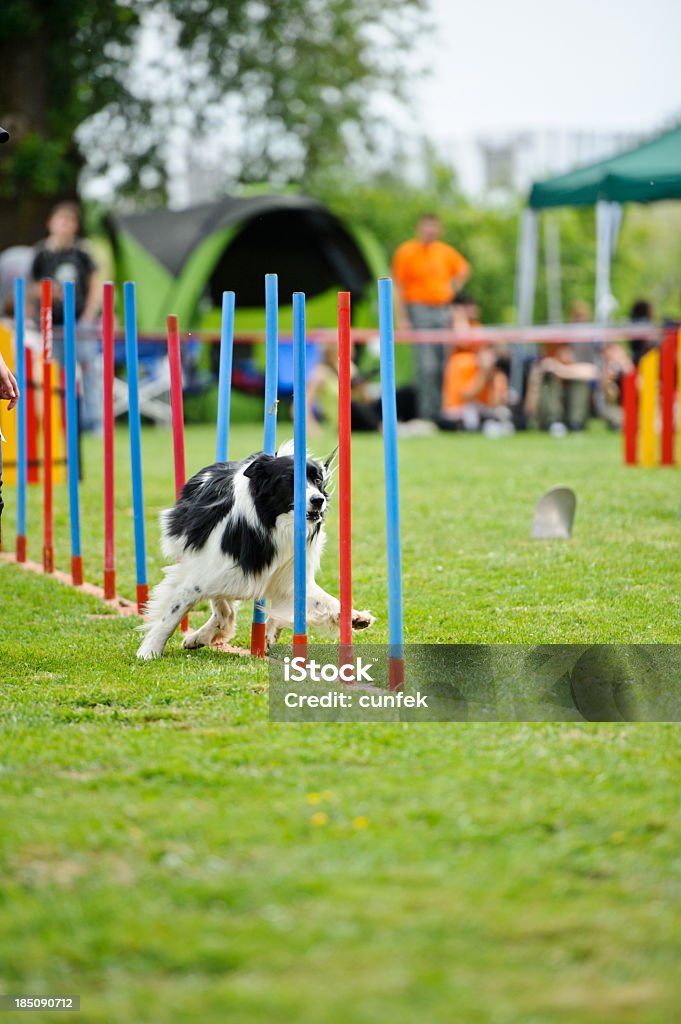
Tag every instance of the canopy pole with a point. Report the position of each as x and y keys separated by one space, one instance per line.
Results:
x=554 y=302
x=525 y=286
x=604 y=301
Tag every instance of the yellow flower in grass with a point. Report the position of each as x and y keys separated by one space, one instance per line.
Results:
x=314 y=798
x=319 y=818
x=360 y=822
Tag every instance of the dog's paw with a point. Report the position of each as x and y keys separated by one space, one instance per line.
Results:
x=193 y=640
x=147 y=651
x=362 y=620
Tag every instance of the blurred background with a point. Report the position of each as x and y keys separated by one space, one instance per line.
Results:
x=377 y=108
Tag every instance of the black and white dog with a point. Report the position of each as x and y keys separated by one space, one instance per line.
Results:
x=231 y=533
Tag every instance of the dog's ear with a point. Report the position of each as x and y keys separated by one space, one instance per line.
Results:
x=258 y=466
x=329 y=459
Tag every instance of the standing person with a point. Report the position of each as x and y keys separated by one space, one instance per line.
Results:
x=9 y=392
x=63 y=256
x=427 y=274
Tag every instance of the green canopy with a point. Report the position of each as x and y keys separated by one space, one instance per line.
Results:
x=648 y=173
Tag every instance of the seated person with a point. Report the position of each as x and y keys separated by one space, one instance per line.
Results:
x=474 y=387
x=559 y=386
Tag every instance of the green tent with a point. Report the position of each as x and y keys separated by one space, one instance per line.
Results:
x=650 y=172
x=182 y=260
x=645 y=174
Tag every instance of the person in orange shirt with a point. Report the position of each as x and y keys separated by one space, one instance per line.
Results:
x=427 y=273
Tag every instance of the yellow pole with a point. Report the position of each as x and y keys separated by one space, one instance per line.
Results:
x=649 y=368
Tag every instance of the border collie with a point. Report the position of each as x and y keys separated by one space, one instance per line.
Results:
x=231 y=534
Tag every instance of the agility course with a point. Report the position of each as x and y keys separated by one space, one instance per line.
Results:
x=300 y=412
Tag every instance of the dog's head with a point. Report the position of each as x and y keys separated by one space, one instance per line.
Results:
x=271 y=485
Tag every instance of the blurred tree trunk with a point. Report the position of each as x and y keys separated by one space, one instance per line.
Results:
x=25 y=113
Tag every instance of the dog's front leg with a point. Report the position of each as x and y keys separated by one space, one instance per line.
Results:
x=323 y=610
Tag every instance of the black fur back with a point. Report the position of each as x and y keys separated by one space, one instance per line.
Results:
x=208 y=498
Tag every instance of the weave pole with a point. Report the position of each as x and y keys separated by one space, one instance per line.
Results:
x=46 y=332
x=346 y=653
x=392 y=492
x=135 y=442
x=177 y=411
x=22 y=447
x=667 y=396
x=678 y=392
x=225 y=376
x=649 y=370
x=630 y=417
x=108 y=386
x=270 y=427
x=299 y=480
x=72 y=461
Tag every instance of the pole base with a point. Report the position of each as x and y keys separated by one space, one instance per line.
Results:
x=396 y=673
x=142 y=597
x=346 y=656
x=258 y=639
x=109 y=584
x=300 y=645
x=21 y=549
x=77 y=570
x=48 y=558
x=184 y=625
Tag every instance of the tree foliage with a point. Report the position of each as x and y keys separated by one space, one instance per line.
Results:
x=116 y=84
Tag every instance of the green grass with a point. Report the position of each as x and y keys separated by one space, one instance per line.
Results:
x=169 y=854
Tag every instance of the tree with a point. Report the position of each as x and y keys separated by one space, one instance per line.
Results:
x=111 y=85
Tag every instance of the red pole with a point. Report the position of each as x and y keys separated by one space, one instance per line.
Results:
x=108 y=360
x=630 y=417
x=46 y=331
x=345 y=477
x=177 y=411
x=667 y=389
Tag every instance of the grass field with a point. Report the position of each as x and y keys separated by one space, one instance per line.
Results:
x=170 y=855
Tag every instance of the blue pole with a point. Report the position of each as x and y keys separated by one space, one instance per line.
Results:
x=392 y=490
x=270 y=438
x=22 y=449
x=72 y=428
x=135 y=441
x=299 y=474
x=225 y=376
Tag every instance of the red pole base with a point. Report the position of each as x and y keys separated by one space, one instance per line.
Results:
x=109 y=584
x=77 y=570
x=21 y=549
x=48 y=558
x=300 y=645
x=258 y=639
x=142 y=597
x=346 y=656
x=396 y=673
x=184 y=625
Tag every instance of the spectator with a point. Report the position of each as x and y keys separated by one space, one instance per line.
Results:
x=475 y=390
x=559 y=386
x=63 y=256
x=427 y=274
x=641 y=313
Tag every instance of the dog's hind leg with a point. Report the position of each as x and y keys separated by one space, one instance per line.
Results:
x=222 y=624
x=170 y=601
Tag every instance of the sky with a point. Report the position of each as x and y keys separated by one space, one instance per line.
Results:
x=602 y=65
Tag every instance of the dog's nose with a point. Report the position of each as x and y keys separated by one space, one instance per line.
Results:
x=317 y=501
